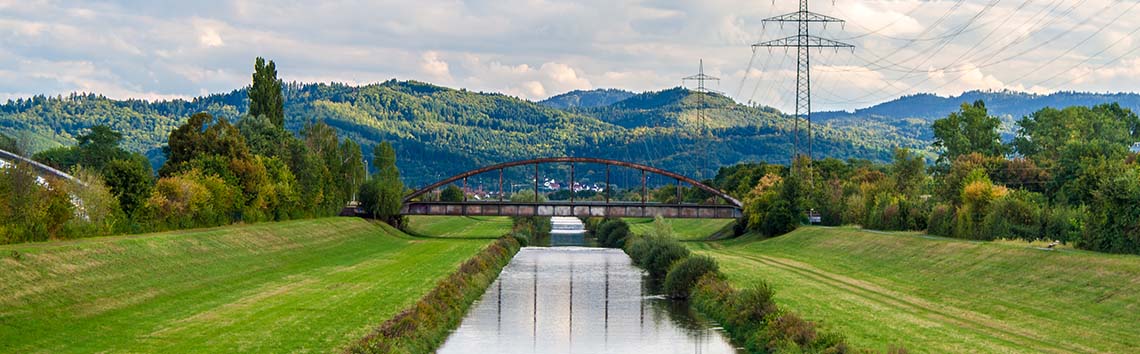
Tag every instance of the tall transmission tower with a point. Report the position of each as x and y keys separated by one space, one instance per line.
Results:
x=701 y=91
x=803 y=41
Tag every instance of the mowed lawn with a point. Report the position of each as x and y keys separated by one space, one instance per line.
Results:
x=459 y=226
x=943 y=295
x=683 y=229
x=298 y=286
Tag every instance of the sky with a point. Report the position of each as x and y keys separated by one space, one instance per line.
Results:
x=534 y=49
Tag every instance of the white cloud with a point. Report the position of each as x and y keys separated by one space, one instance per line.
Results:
x=538 y=48
x=435 y=67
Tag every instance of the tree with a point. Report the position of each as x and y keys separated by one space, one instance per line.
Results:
x=383 y=195
x=908 y=171
x=202 y=136
x=265 y=97
x=969 y=130
x=451 y=194
x=130 y=181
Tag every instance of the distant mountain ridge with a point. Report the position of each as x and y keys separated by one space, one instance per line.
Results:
x=1000 y=103
x=586 y=98
x=439 y=131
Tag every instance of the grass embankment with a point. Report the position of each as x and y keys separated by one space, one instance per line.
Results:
x=944 y=295
x=299 y=286
x=489 y=227
x=424 y=326
x=686 y=229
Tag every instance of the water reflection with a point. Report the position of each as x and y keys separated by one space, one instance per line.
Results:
x=579 y=300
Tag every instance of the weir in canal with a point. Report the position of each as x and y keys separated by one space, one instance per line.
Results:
x=574 y=299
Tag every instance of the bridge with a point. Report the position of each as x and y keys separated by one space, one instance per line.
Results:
x=8 y=158
x=726 y=208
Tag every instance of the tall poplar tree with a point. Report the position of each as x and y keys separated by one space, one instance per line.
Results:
x=265 y=98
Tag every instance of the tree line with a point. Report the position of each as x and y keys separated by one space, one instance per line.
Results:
x=1067 y=176
x=215 y=173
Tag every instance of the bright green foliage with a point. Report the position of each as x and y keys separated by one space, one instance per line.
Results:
x=265 y=98
x=684 y=274
x=1042 y=135
x=451 y=193
x=969 y=130
x=299 y=286
x=96 y=208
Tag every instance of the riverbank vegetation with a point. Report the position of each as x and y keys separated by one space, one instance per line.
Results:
x=424 y=326
x=313 y=285
x=1067 y=177
x=939 y=295
x=750 y=316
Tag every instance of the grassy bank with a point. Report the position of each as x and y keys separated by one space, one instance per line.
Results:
x=940 y=295
x=459 y=226
x=300 y=286
x=424 y=326
x=685 y=229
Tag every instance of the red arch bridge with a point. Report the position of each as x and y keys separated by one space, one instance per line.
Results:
x=722 y=206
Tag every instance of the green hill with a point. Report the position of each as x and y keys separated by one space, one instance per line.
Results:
x=299 y=286
x=440 y=131
x=943 y=295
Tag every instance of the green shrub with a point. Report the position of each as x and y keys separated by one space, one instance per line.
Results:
x=1017 y=216
x=685 y=273
x=612 y=233
x=1062 y=223
x=752 y=305
x=941 y=221
x=661 y=254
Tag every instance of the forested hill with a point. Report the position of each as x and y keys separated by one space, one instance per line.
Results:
x=910 y=117
x=586 y=98
x=439 y=131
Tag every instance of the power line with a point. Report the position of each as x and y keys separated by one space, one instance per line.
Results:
x=803 y=41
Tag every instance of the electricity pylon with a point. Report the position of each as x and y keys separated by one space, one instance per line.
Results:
x=803 y=41
x=701 y=91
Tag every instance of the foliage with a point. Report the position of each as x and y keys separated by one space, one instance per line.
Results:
x=534 y=227
x=684 y=274
x=1113 y=220
x=265 y=97
x=451 y=193
x=612 y=233
x=30 y=210
x=969 y=130
x=655 y=253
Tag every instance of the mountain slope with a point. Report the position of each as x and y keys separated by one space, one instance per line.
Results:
x=439 y=131
x=586 y=98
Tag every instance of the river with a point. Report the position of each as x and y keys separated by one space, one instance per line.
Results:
x=579 y=300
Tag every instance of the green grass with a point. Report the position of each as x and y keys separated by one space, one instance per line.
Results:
x=685 y=229
x=299 y=286
x=943 y=295
x=459 y=226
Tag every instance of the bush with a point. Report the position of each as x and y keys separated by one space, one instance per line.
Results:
x=751 y=306
x=612 y=233
x=684 y=275
x=1062 y=223
x=1017 y=216
x=941 y=221
x=655 y=254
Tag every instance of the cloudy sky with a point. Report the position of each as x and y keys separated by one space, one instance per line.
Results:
x=537 y=48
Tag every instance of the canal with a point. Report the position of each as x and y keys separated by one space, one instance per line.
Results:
x=573 y=299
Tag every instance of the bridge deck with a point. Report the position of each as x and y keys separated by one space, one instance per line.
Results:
x=580 y=209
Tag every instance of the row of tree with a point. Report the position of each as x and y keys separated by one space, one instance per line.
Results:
x=1067 y=176
x=215 y=173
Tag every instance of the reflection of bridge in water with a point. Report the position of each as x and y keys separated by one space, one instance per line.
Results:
x=723 y=206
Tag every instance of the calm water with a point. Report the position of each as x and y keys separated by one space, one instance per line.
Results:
x=579 y=300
